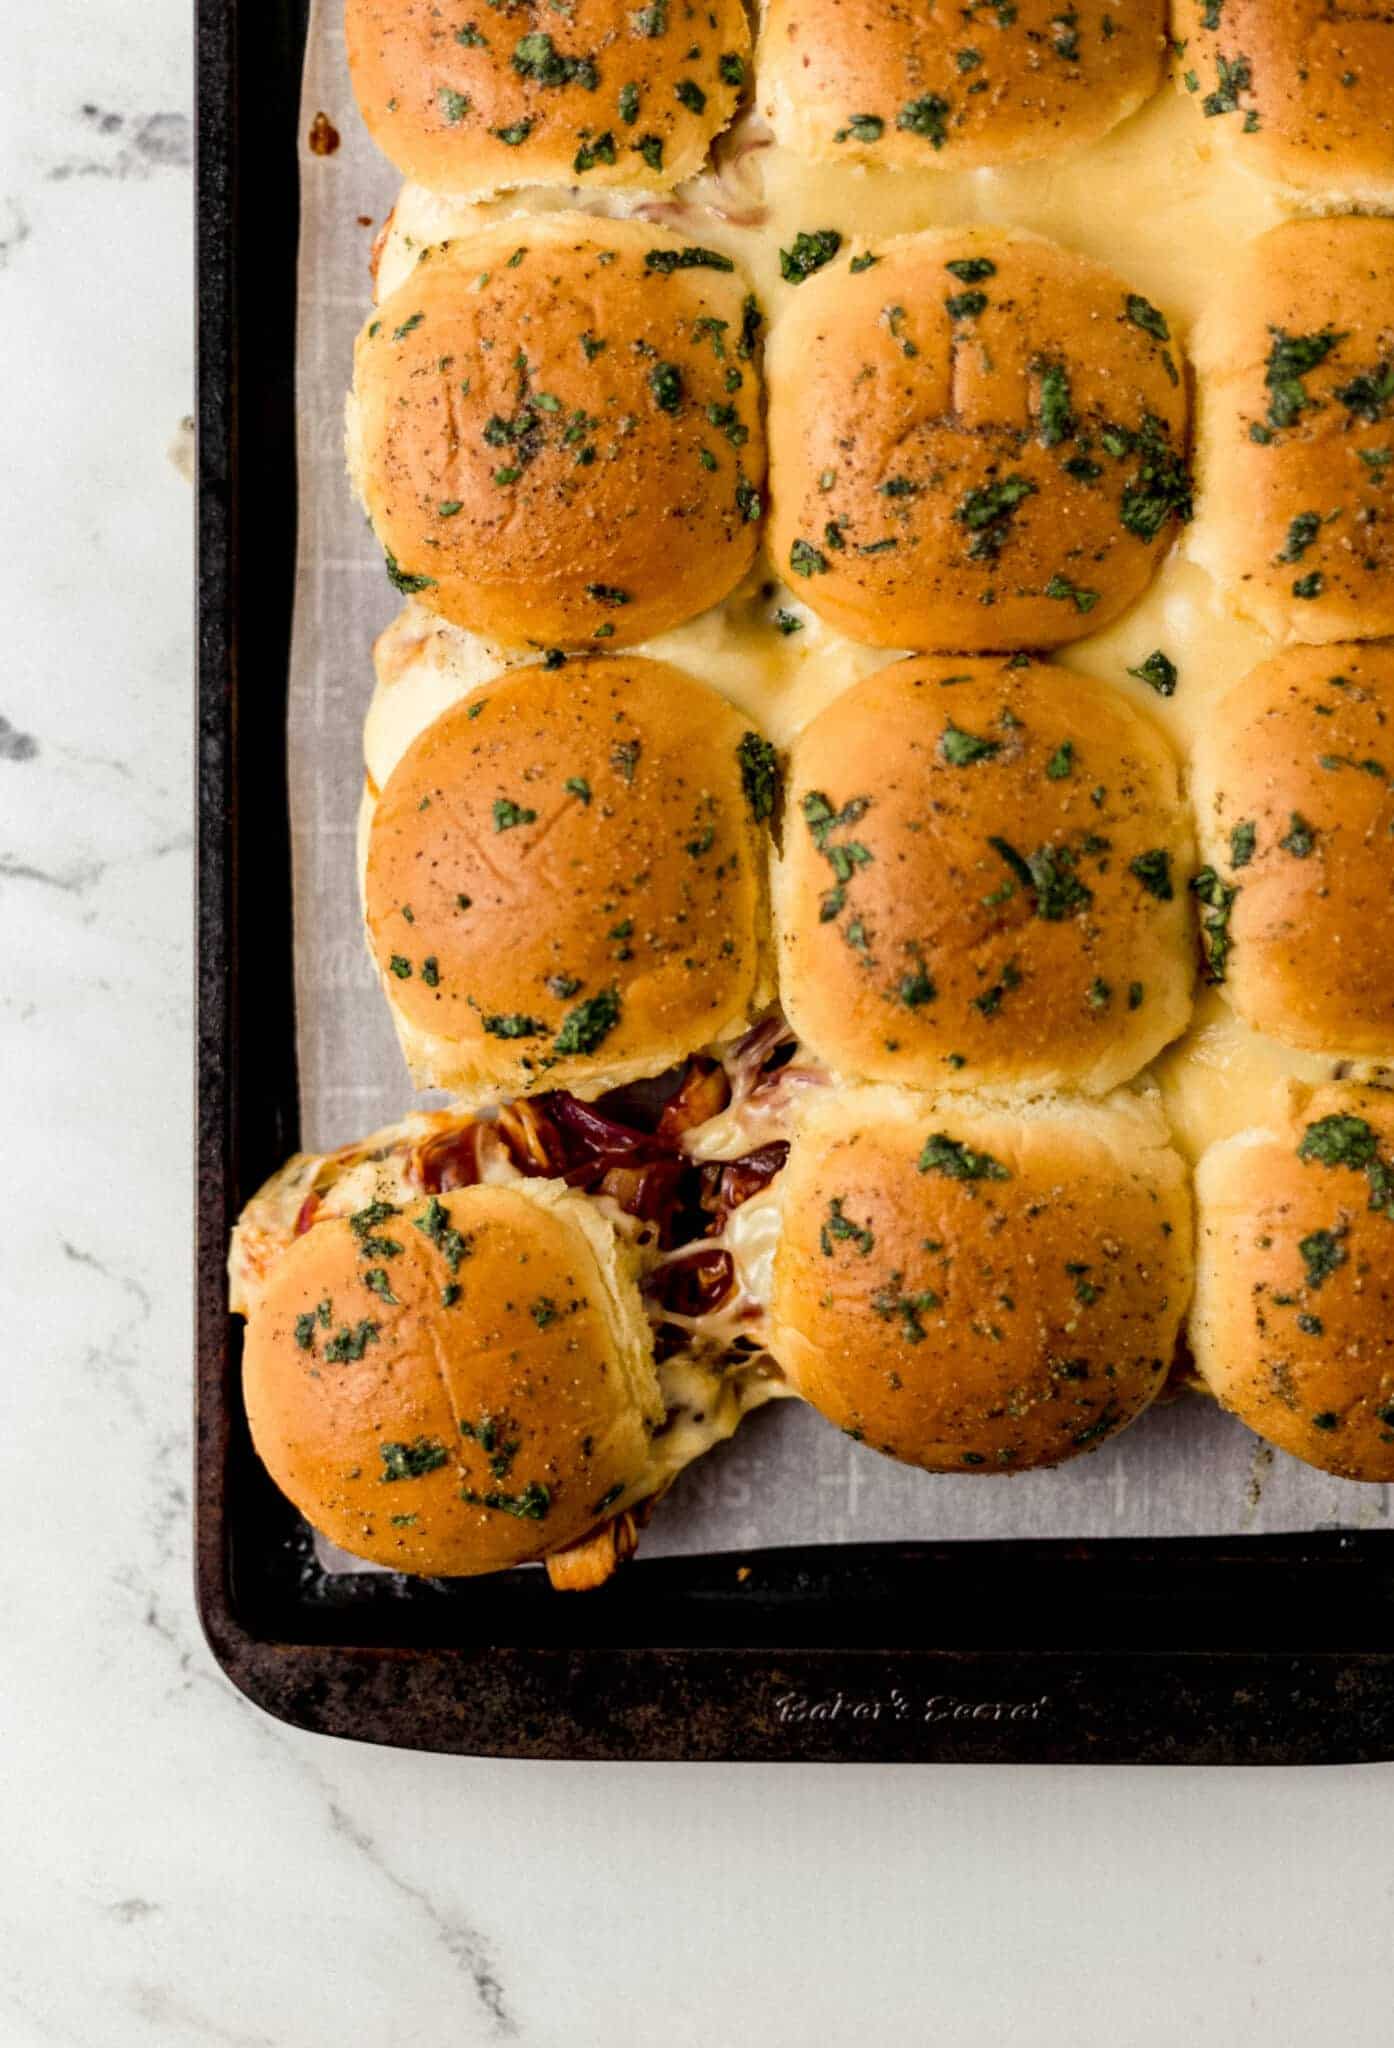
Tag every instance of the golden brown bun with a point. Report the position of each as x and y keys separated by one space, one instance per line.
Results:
x=472 y=100
x=970 y=1287
x=1294 y=789
x=566 y=879
x=1293 y=1321
x=954 y=87
x=921 y=494
x=1296 y=362
x=913 y=948
x=557 y=442
x=453 y=1432
x=1301 y=91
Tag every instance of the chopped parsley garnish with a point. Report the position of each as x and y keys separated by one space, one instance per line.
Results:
x=1217 y=898
x=1302 y=531
x=916 y=988
x=577 y=786
x=960 y=749
x=689 y=94
x=403 y=580
x=1291 y=358
x=809 y=253
x=890 y=1301
x=454 y=105
x=411 y=1461
x=1160 y=671
x=589 y=1024
x=607 y=594
x=531 y=1505
x=629 y=104
x=1309 y=586
x=862 y=128
x=971 y=269
x=987 y=514
x=1160 y=490
x=537 y=57
x=666 y=384
x=787 y=622
x=377 y=1282
x=1061 y=763
x=666 y=261
x=514 y=1025
x=1350 y=1141
x=1369 y=394
x=1322 y=1252
x=1148 y=317
x=400 y=966
x=593 y=150
x=435 y=1225
x=730 y=69
x=957 y=1161
x=759 y=766
x=842 y=1230
x=1056 y=418
x=1233 y=76
x=364 y=1222
x=1242 y=841
x=1060 y=587
x=966 y=306
x=1153 y=870
x=508 y=815
x=805 y=560
x=990 y=1002
x=516 y=133
x=1049 y=874
x=349 y=1344
x=1300 y=838
x=927 y=116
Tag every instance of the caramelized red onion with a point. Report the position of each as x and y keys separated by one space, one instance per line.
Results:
x=629 y=1146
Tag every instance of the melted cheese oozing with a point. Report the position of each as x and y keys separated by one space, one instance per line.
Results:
x=1160 y=203
x=706 y=1390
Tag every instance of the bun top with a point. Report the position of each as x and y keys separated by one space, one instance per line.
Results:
x=555 y=430
x=566 y=879
x=455 y=1386
x=1293 y=1325
x=983 y=880
x=974 y=1288
x=600 y=94
x=1294 y=790
x=977 y=441
x=1302 y=92
x=957 y=87
x=1296 y=360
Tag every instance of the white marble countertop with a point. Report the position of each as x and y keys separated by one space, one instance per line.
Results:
x=182 y=1870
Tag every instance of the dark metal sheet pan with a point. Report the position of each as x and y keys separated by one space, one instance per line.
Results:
x=1242 y=1650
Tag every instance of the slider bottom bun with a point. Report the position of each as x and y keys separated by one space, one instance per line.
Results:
x=1293 y=1321
x=971 y=1287
x=457 y=1383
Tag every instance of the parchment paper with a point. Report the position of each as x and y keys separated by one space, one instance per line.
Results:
x=1185 y=1470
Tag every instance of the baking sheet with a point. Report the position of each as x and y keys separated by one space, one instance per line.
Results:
x=789 y=1478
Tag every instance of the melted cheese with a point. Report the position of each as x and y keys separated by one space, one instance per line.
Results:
x=1158 y=202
